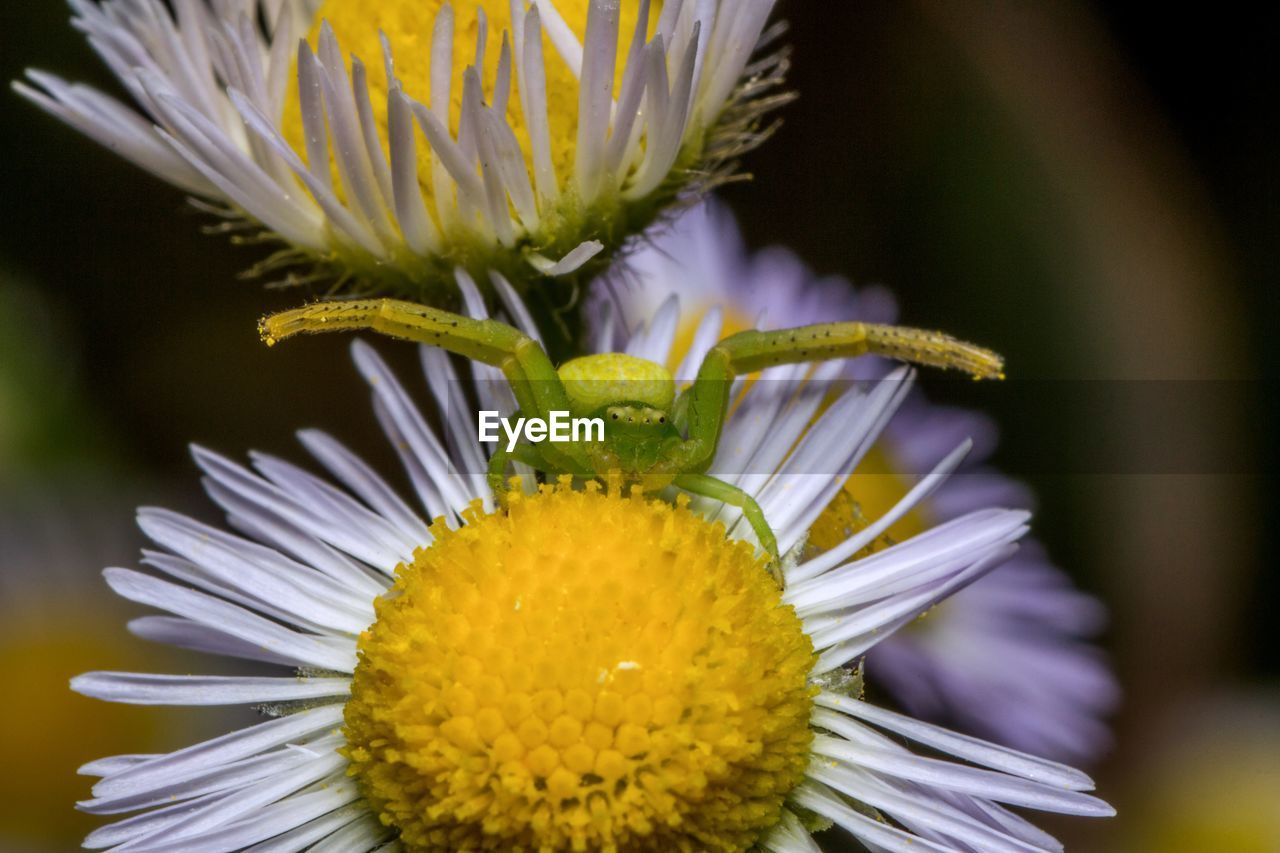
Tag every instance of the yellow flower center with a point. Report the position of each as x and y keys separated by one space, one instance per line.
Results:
x=583 y=671
x=870 y=493
x=732 y=321
x=408 y=26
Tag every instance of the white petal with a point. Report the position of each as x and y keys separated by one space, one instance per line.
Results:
x=514 y=306
x=561 y=35
x=661 y=333
x=149 y=822
x=455 y=162
x=904 y=566
x=248 y=815
x=416 y=225
x=413 y=429
x=349 y=829
x=571 y=262
x=626 y=126
x=114 y=764
x=365 y=833
x=818 y=798
x=595 y=95
x=920 y=813
x=135 y=688
x=533 y=100
x=706 y=336
x=278 y=818
x=336 y=505
x=962 y=746
x=238 y=774
x=470 y=457
x=946 y=775
x=854 y=636
x=265 y=574
x=789 y=836
x=877 y=528
x=259 y=491
x=181 y=765
x=347 y=145
x=116 y=127
x=185 y=634
x=299 y=649
x=270 y=528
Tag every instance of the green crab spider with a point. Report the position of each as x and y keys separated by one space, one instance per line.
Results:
x=653 y=436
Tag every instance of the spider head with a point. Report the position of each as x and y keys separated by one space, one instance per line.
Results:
x=637 y=435
x=636 y=419
x=633 y=397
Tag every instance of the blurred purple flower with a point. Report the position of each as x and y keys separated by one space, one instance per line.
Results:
x=1009 y=658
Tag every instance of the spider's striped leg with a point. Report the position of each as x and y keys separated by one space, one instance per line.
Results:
x=702 y=407
x=547 y=395
x=487 y=341
x=753 y=350
x=748 y=352
x=534 y=382
x=497 y=474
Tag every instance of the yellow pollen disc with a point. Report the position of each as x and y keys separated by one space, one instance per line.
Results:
x=582 y=672
x=732 y=321
x=870 y=493
x=595 y=381
x=408 y=26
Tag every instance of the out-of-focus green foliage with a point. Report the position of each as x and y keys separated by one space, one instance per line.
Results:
x=45 y=426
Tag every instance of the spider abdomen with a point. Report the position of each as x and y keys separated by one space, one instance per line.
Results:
x=595 y=382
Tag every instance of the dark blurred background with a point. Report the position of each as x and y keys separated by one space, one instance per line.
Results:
x=1091 y=188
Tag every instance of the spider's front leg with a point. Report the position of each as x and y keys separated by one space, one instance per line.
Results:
x=701 y=409
x=706 y=403
x=710 y=487
x=754 y=350
x=533 y=379
x=707 y=400
x=501 y=458
x=486 y=341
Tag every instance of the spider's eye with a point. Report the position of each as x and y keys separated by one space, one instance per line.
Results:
x=615 y=416
x=662 y=419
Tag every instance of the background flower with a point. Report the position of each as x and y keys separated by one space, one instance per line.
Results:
x=1051 y=690
x=536 y=139
x=59 y=518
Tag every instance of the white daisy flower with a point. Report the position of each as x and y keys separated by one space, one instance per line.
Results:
x=397 y=140
x=1053 y=688
x=580 y=670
